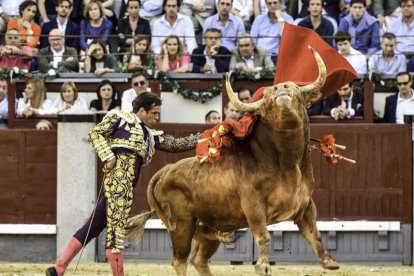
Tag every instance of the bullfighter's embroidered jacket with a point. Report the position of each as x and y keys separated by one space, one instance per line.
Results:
x=120 y=129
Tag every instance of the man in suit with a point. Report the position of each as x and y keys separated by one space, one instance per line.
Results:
x=64 y=24
x=211 y=57
x=57 y=55
x=344 y=104
x=401 y=103
x=249 y=57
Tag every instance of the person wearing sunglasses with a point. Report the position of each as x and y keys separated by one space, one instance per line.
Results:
x=139 y=85
x=401 y=103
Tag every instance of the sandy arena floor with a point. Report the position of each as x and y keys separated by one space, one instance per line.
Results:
x=164 y=269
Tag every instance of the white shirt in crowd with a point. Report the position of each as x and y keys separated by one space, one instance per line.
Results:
x=4 y=108
x=127 y=98
x=23 y=104
x=59 y=104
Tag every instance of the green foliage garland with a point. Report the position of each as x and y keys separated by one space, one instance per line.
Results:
x=194 y=95
x=17 y=73
x=265 y=73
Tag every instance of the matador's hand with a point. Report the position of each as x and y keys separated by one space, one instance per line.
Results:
x=109 y=165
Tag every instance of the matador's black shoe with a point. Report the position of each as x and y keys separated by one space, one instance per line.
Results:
x=51 y=271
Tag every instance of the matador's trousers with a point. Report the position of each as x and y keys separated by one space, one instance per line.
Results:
x=114 y=207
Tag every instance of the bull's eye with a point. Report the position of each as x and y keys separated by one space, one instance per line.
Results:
x=286 y=86
x=275 y=88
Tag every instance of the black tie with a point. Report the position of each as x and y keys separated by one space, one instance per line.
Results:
x=346 y=104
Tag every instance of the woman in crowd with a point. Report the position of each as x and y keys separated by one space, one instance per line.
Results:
x=98 y=60
x=94 y=25
x=35 y=101
x=132 y=25
x=140 y=55
x=173 y=57
x=68 y=97
x=106 y=98
x=29 y=31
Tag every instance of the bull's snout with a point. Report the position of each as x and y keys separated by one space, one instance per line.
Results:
x=283 y=99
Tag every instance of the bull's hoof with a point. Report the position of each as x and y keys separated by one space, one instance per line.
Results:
x=330 y=264
x=263 y=269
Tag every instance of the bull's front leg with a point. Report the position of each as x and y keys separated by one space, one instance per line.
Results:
x=307 y=226
x=257 y=223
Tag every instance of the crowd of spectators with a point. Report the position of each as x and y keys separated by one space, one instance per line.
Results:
x=201 y=36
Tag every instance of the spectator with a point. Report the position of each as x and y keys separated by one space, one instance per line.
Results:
x=173 y=23
x=173 y=56
x=98 y=60
x=331 y=8
x=212 y=117
x=35 y=101
x=95 y=25
x=107 y=100
x=4 y=103
x=354 y=57
x=151 y=9
x=410 y=65
x=14 y=55
x=363 y=28
x=230 y=25
x=315 y=21
x=315 y=108
x=211 y=57
x=9 y=9
x=231 y=113
x=245 y=95
x=401 y=103
x=267 y=28
x=249 y=57
x=344 y=104
x=403 y=27
x=28 y=30
x=107 y=11
x=131 y=26
x=64 y=24
x=56 y=55
x=140 y=55
x=244 y=10
x=387 y=60
x=385 y=11
x=139 y=84
x=44 y=125
x=198 y=11
x=69 y=97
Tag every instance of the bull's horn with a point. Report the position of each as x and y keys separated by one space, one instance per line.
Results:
x=320 y=81
x=244 y=107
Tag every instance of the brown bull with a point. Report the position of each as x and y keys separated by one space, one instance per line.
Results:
x=265 y=179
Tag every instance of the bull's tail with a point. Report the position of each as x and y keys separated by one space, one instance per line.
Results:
x=136 y=225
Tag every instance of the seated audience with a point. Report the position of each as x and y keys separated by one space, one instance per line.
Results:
x=107 y=11
x=363 y=28
x=231 y=113
x=13 y=54
x=95 y=25
x=35 y=101
x=385 y=11
x=401 y=103
x=131 y=26
x=211 y=57
x=4 y=103
x=249 y=57
x=64 y=24
x=315 y=21
x=57 y=55
x=139 y=84
x=98 y=60
x=331 y=8
x=410 y=65
x=345 y=104
x=354 y=57
x=267 y=28
x=244 y=10
x=25 y=24
x=173 y=57
x=69 y=97
x=107 y=99
x=245 y=95
x=387 y=60
x=230 y=25
x=212 y=117
x=140 y=55
x=403 y=27
x=173 y=23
